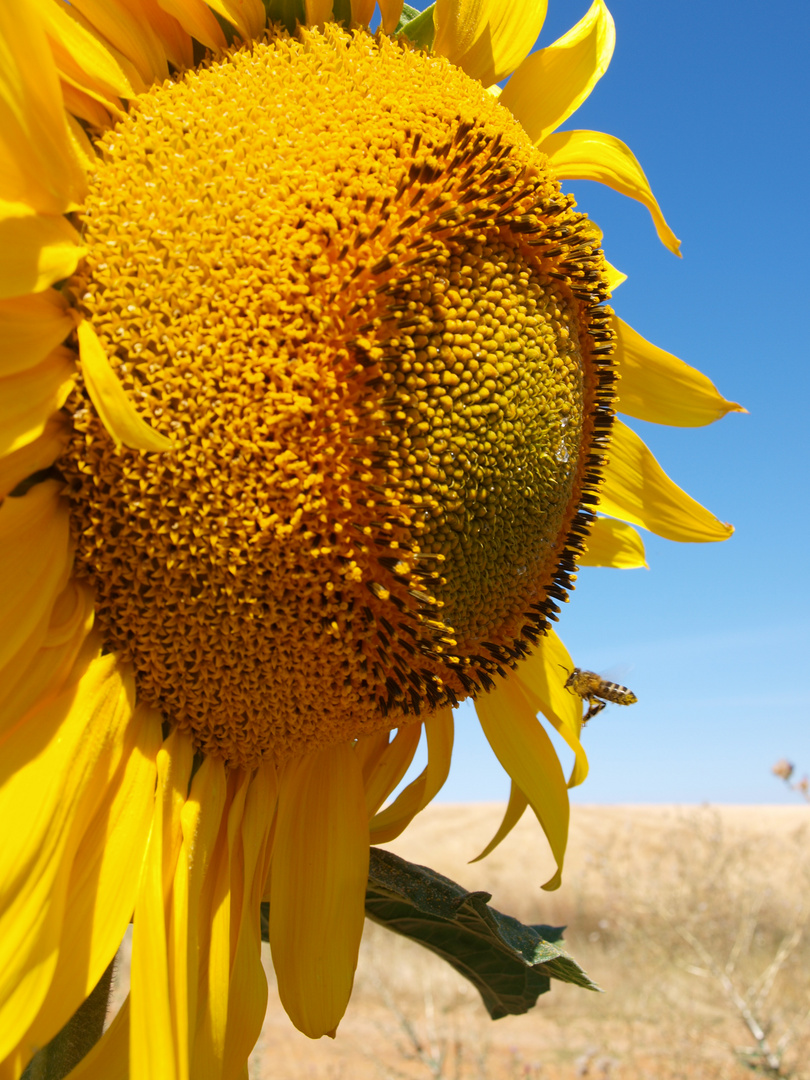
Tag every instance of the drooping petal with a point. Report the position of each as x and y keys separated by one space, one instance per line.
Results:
x=35 y=560
x=36 y=455
x=318 y=886
x=35 y=250
x=552 y=83
x=512 y=815
x=542 y=677
x=104 y=879
x=29 y=399
x=592 y=155
x=153 y=1049
x=220 y=906
x=389 y=823
x=522 y=746
x=613 y=543
x=362 y=10
x=636 y=489
x=30 y=328
x=37 y=165
x=487 y=38
x=116 y=411
x=657 y=386
x=247 y=1000
x=55 y=768
x=382 y=771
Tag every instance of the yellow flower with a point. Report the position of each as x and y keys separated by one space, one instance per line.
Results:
x=306 y=388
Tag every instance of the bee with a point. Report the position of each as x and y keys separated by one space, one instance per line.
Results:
x=597 y=692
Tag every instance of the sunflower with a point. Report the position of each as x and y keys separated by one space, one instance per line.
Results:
x=308 y=392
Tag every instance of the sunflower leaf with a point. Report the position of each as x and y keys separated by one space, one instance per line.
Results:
x=417 y=26
x=509 y=963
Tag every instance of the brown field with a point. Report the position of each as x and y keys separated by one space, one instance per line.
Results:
x=693 y=920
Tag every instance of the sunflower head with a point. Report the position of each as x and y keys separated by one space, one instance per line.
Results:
x=380 y=366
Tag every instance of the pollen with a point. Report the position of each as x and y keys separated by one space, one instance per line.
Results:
x=338 y=276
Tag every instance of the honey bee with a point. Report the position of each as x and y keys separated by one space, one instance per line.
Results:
x=597 y=692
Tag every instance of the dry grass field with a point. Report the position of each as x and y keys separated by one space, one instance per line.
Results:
x=693 y=920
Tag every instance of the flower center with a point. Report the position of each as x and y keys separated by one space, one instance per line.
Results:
x=338 y=276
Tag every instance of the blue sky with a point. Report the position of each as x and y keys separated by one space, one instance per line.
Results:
x=714 y=638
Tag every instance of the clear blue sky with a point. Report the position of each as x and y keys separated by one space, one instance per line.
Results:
x=714 y=638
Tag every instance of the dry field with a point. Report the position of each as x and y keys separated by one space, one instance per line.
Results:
x=693 y=920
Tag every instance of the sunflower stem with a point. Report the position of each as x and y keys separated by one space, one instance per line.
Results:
x=79 y=1035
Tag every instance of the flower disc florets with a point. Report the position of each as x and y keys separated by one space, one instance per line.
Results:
x=338 y=276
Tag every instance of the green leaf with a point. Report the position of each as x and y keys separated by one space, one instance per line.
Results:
x=417 y=26
x=510 y=964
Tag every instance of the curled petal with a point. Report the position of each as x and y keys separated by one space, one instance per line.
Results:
x=552 y=83
x=512 y=815
x=592 y=155
x=116 y=411
x=522 y=746
x=383 y=770
x=38 y=454
x=487 y=38
x=613 y=543
x=637 y=490
x=389 y=823
x=657 y=386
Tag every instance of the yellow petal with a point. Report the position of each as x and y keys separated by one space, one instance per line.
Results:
x=318 y=886
x=29 y=399
x=551 y=84
x=637 y=490
x=248 y=16
x=35 y=250
x=526 y=752
x=614 y=277
x=32 y=681
x=512 y=815
x=37 y=163
x=93 y=109
x=104 y=879
x=247 y=998
x=35 y=560
x=197 y=20
x=613 y=543
x=318 y=12
x=488 y=39
x=116 y=411
x=657 y=386
x=391 y=11
x=54 y=771
x=389 y=823
x=77 y=50
x=153 y=1043
x=220 y=909
x=362 y=10
x=542 y=678
x=382 y=771
x=129 y=33
x=38 y=454
x=592 y=155
x=30 y=328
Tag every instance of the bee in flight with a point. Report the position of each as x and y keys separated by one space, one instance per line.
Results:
x=597 y=692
